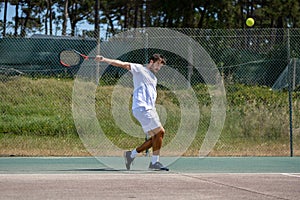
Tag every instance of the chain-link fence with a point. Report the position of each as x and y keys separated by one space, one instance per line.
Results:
x=222 y=92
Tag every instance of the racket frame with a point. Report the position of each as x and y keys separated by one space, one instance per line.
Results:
x=82 y=57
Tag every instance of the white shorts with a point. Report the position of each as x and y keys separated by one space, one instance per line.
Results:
x=149 y=119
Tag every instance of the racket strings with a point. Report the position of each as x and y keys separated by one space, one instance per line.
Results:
x=69 y=58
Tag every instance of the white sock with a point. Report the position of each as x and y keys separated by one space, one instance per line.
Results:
x=133 y=153
x=155 y=158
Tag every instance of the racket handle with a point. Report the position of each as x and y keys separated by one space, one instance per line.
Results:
x=98 y=58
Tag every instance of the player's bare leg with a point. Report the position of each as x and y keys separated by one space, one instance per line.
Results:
x=130 y=155
x=157 y=136
x=156 y=143
x=146 y=145
x=157 y=139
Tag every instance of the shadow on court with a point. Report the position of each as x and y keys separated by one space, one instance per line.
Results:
x=188 y=178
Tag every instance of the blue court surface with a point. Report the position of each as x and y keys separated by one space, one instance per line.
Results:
x=188 y=178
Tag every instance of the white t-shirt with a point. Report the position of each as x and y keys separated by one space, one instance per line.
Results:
x=144 y=82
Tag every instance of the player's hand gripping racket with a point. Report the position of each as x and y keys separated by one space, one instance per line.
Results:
x=72 y=58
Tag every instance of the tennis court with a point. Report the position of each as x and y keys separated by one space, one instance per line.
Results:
x=255 y=124
x=188 y=178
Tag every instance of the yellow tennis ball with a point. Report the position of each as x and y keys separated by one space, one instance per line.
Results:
x=250 y=22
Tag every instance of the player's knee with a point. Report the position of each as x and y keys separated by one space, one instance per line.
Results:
x=161 y=133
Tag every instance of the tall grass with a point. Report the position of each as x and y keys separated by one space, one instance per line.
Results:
x=39 y=107
x=36 y=119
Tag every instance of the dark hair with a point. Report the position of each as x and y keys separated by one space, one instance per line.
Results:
x=156 y=57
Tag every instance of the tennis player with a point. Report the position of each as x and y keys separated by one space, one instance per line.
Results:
x=143 y=106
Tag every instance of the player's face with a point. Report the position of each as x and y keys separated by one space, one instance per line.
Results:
x=156 y=66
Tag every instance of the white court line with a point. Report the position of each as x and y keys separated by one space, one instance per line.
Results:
x=293 y=175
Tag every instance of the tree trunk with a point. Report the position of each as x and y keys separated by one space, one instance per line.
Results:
x=24 y=25
x=200 y=23
x=17 y=19
x=65 y=18
x=73 y=20
x=46 y=17
x=50 y=17
x=189 y=16
x=125 y=17
x=136 y=13
x=97 y=20
x=242 y=15
x=148 y=13
x=142 y=15
x=5 y=18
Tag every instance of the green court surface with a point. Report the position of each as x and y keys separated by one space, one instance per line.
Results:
x=183 y=164
x=226 y=178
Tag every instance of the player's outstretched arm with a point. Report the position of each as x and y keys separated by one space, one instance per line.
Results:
x=114 y=62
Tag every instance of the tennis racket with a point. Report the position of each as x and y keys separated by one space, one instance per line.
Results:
x=72 y=58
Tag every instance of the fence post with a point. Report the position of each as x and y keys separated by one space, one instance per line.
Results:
x=147 y=153
x=288 y=45
x=98 y=64
x=291 y=70
x=190 y=61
